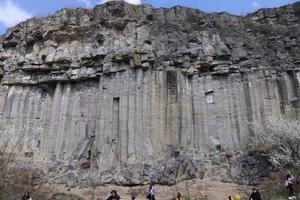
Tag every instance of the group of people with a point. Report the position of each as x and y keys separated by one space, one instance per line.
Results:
x=255 y=195
x=150 y=195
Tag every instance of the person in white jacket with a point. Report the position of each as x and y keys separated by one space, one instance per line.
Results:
x=289 y=183
x=151 y=193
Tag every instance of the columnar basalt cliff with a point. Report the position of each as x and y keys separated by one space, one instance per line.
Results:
x=130 y=94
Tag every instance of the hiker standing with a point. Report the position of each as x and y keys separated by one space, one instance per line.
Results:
x=179 y=196
x=255 y=195
x=114 y=195
x=289 y=183
x=133 y=196
x=26 y=196
x=151 y=193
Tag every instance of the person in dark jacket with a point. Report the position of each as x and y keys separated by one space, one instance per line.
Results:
x=179 y=196
x=133 y=196
x=255 y=195
x=114 y=195
x=26 y=196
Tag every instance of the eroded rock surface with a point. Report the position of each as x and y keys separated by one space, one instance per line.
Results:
x=129 y=94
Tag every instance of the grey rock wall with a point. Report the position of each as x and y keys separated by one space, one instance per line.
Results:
x=130 y=94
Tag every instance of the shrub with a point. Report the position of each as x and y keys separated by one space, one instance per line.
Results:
x=280 y=140
x=201 y=197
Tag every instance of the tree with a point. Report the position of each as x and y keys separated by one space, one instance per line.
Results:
x=7 y=158
x=8 y=165
x=279 y=138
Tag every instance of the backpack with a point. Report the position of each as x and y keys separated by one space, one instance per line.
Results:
x=148 y=196
x=286 y=183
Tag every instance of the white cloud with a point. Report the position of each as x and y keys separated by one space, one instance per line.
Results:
x=11 y=14
x=87 y=3
x=128 y=1
x=255 y=5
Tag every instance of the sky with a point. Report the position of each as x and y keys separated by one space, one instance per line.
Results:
x=14 y=11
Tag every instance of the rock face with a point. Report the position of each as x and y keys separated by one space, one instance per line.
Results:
x=130 y=94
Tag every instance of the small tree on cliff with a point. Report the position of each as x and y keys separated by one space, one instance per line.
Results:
x=9 y=142
x=16 y=173
x=6 y=158
x=6 y=162
x=280 y=139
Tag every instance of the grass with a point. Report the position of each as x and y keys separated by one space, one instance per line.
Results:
x=188 y=197
x=277 y=195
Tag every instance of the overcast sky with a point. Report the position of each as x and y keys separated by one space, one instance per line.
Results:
x=14 y=11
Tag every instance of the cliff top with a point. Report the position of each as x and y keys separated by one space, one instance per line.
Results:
x=108 y=5
x=76 y=44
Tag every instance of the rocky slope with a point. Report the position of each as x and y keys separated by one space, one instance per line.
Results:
x=130 y=94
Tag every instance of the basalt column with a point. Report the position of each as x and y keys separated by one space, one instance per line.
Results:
x=130 y=94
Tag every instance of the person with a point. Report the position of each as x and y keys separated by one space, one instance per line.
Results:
x=133 y=196
x=179 y=196
x=114 y=195
x=229 y=198
x=255 y=195
x=237 y=197
x=26 y=196
x=289 y=183
x=151 y=193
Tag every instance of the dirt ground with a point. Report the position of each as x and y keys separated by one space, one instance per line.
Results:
x=195 y=188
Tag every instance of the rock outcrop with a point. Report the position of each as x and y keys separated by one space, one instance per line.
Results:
x=130 y=94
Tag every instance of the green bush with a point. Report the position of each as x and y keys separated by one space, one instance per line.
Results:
x=188 y=197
